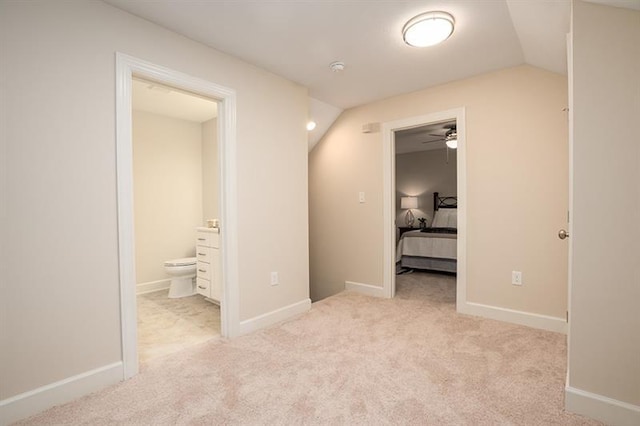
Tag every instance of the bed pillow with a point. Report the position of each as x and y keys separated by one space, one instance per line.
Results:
x=445 y=218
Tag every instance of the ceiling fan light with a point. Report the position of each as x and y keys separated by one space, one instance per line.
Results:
x=452 y=143
x=428 y=29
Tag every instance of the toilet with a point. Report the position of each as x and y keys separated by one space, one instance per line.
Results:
x=182 y=272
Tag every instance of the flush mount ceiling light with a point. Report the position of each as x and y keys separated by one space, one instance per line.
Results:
x=311 y=125
x=428 y=29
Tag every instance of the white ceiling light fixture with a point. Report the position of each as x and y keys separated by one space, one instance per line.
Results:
x=452 y=140
x=453 y=143
x=311 y=125
x=428 y=29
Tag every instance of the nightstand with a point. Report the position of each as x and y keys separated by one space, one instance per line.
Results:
x=403 y=229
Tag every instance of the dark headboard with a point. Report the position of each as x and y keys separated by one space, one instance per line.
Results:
x=444 y=202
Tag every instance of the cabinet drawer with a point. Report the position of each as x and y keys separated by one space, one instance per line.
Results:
x=204 y=254
x=203 y=239
x=203 y=287
x=204 y=270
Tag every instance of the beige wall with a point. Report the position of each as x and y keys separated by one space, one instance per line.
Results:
x=167 y=185
x=60 y=296
x=420 y=174
x=210 y=170
x=604 y=335
x=517 y=186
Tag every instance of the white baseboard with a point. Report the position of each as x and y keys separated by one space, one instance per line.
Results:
x=607 y=410
x=37 y=400
x=273 y=317
x=152 y=286
x=368 y=289
x=543 y=322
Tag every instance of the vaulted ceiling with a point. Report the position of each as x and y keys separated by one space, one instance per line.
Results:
x=298 y=39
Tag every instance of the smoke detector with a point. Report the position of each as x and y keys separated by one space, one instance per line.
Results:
x=337 y=66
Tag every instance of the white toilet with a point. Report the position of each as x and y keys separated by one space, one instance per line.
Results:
x=182 y=272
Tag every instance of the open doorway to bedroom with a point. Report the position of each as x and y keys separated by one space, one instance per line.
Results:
x=425 y=205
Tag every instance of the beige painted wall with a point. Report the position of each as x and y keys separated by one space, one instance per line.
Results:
x=167 y=185
x=420 y=174
x=517 y=183
x=60 y=297
x=210 y=170
x=604 y=335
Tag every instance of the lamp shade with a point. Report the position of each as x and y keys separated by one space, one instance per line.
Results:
x=409 y=202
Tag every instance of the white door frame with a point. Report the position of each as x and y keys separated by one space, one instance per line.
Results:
x=570 y=211
x=388 y=197
x=126 y=68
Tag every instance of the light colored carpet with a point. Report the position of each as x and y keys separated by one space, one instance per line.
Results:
x=352 y=359
x=166 y=326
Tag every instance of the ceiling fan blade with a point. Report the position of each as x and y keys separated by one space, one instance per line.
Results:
x=435 y=140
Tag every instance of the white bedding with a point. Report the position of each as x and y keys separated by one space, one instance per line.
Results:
x=442 y=248
x=445 y=218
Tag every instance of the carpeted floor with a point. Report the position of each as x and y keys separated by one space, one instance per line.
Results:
x=352 y=359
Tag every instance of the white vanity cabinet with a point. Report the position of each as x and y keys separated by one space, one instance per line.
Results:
x=208 y=280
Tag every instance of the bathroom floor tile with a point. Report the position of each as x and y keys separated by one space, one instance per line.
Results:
x=166 y=326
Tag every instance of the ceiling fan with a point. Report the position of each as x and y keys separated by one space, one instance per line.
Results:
x=450 y=138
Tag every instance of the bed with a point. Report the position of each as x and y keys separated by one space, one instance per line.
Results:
x=434 y=248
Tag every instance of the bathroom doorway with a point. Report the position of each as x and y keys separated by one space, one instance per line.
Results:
x=128 y=68
x=175 y=191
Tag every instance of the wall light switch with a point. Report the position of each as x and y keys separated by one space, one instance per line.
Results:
x=274 y=278
x=361 y=197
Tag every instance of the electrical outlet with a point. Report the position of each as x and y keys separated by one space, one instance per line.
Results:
x=274 y=278
x=516 y=277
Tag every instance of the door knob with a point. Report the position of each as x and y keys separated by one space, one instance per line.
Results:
x=562 y=234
